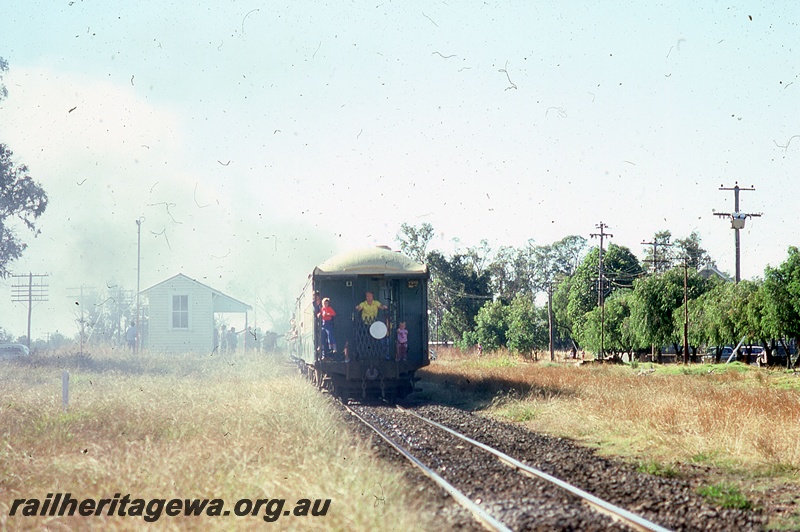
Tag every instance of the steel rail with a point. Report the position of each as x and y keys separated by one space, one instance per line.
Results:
x=635 y=521
x=480 y=514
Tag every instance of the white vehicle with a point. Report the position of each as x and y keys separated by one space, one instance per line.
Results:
x=13 y=351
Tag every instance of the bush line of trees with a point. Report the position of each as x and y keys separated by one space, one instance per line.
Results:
x=478 y=296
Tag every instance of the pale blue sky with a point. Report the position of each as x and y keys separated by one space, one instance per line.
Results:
x=257 y=138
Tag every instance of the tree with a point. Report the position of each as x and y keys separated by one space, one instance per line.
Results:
x=527 y=326
x=509 y=273
x=618 y=333
x=689 y=247
x=3 y=70
x=656 y=298
x=490 y=326
x=457 y=292
x=414 y=240
x=659 y=255
x=621 y=268
x=20 y=198
x=782 y=288
x=699 y=321
x=557 y=260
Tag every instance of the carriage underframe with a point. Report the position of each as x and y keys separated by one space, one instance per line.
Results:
x=362 y=380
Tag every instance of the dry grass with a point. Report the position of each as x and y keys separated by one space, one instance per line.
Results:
x=741 y=424
x=186 y=427
x=735 y=417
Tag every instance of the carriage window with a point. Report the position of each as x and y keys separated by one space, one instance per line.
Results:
x=180 y=312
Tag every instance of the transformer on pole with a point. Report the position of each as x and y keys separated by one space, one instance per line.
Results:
x=737 y=222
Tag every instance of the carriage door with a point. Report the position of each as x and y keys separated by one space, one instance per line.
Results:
x=389 y=297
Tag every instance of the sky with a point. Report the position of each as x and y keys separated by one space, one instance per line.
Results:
x=255 y=139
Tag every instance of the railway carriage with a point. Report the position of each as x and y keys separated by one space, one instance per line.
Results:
x=364 y=363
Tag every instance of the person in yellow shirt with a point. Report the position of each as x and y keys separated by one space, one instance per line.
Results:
x=369 y=308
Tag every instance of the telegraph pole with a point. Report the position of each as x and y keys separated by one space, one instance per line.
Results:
x=685 y=310
x=550 y=319
x=32 y=291
x=84 y=294
x=601 y=286
x=138 y=281
x=737 y=222
x=655 y=260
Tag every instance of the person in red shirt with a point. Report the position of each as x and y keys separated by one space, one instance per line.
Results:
x=326 y=315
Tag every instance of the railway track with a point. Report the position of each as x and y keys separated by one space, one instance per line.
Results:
x=500 y=491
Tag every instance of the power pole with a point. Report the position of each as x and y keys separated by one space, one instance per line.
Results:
x=550 y=319
x=30 y=293
x=655 y=260
x=83 y=294
x=737 y=222
x=685 y=310
x=601 y=286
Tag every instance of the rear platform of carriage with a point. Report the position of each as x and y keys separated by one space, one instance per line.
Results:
x=364 y=364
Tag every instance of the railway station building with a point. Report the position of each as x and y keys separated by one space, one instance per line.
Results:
x=180 y=315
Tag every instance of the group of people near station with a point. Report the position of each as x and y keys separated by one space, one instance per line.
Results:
x=227 y=340
x=368 y=308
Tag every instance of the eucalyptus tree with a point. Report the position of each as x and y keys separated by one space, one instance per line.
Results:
x=690 y=247
x=509 y=273
x=22 y=200
x=457 y=291
x=414 y=240
x=659 y=254
x=3 y=70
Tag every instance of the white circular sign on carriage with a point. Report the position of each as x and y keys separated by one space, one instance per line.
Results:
x=378 y=330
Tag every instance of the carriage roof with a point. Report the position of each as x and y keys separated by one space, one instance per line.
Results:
x=371 y=261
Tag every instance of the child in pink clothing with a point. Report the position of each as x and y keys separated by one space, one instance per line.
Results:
x=402 y=342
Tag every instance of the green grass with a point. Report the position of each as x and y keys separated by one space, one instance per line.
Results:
x=701 y=458
x=701 y=369
x=519 y=411
x=499 y=361
x=652 y=467
x=725 y=495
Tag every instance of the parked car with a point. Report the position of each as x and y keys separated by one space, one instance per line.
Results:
x=13 y=351
x=711 y=355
